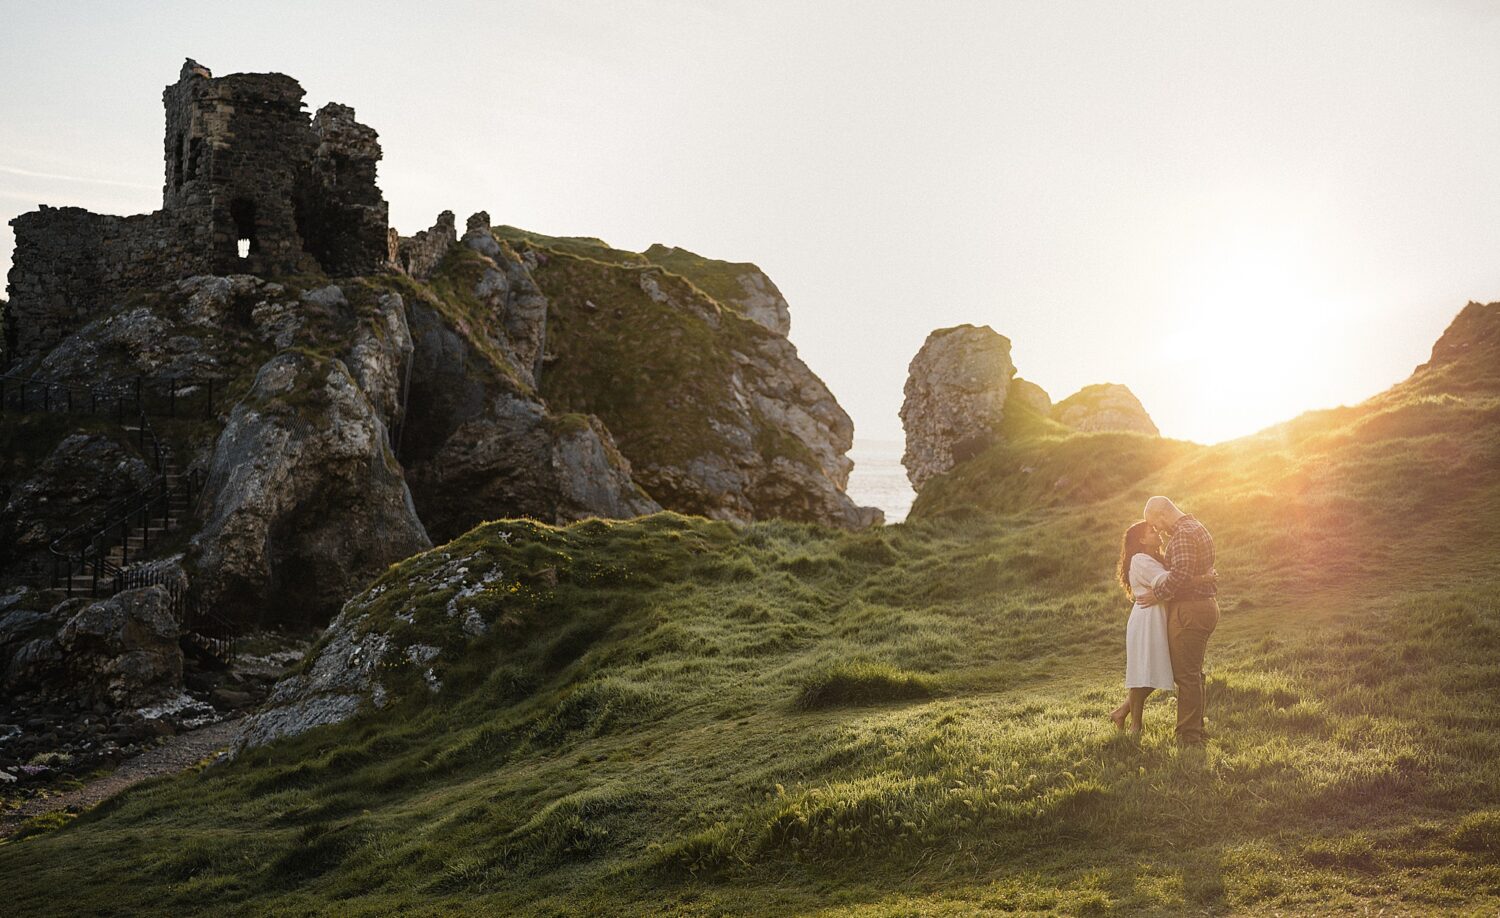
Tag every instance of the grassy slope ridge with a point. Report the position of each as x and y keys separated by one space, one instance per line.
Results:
x=775 y=718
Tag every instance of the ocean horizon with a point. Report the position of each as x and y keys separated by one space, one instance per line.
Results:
x=879 y=479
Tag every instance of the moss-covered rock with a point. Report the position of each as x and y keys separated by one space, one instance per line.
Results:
x=716 y=413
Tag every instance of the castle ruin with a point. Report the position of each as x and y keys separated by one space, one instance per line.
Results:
x=253 y=186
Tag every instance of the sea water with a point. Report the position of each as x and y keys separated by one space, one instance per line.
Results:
x=879 y=479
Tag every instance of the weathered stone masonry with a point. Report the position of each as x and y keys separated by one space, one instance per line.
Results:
x=252 y=187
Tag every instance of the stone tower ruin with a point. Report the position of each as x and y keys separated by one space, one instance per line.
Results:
x=252 y=187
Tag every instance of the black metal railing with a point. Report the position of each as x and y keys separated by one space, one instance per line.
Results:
x=88 y=551
x=95 y=558
x=119 y=398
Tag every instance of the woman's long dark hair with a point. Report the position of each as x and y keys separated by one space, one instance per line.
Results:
x=1139 y=538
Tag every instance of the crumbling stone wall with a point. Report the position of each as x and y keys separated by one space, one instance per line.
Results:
x=67 y=261
x=421 y=254
x=251 y=187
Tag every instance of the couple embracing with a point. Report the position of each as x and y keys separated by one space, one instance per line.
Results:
x=1167 y=568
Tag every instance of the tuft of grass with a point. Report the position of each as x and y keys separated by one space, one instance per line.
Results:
x=859 y=682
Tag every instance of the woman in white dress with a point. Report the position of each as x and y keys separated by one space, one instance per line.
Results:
x=1148 y=660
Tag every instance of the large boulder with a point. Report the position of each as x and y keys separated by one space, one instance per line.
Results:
x=304 y=500
x=956 y=391
x=1106 y=406
x=124 y=649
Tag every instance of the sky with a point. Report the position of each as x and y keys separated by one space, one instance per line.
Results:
x=1241 y=211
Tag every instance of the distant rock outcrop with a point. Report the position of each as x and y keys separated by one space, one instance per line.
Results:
x=1473 y=334
x=1466 y=359
x=1026 y=392
x=956 y=390
x=1106 y=406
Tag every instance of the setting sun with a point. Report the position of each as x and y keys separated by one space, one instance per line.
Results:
x=1255 y=323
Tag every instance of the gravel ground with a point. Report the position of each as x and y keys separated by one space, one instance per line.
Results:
x=175 y=755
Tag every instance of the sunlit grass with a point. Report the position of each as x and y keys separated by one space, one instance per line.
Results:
x=688 y=715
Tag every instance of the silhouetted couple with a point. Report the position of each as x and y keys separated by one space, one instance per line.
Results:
x=1167 y=568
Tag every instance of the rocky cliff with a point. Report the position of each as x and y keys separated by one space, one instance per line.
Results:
x=356 y=421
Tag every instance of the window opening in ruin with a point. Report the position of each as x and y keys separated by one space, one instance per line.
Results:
x=177 y=163
x=242 y=212
x=342 y=169
x=195 y=151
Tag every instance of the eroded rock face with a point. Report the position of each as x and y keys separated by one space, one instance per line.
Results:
x=956 y=390
x=304 y=500
x=378 y=638
x=420 y=255
x=518 y=328
x=124 y=648
x=716 y=413
x=1106 y=406
x=29 y=652
x=380 y=358
x=479 y=447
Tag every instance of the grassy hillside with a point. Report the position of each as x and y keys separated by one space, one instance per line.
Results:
x=687 y=715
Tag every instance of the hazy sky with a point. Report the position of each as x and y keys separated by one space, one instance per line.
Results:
x=1240 y=210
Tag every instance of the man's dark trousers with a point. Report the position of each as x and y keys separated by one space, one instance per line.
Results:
x=1190 y=622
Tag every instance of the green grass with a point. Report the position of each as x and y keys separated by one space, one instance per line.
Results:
x=685 y=715
x=718 y=279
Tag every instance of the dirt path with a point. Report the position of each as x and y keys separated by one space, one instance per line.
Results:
x=167 y=759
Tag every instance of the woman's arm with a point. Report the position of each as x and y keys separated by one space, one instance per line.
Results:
x=1149 y=597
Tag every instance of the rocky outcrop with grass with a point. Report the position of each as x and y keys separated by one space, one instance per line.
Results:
x=740 y=286
x=956 y=390
x=715 y=411
x=1105 y=406
x=341 y=425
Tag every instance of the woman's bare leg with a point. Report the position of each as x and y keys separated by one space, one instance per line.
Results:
x=1137 y=702
x=1119 y=714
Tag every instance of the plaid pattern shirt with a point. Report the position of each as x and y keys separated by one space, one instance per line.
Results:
x=1190 y=552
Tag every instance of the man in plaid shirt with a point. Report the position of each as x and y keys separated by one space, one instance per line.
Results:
x=1192 y=609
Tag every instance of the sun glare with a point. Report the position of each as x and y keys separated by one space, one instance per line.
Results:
x=1254 y=323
